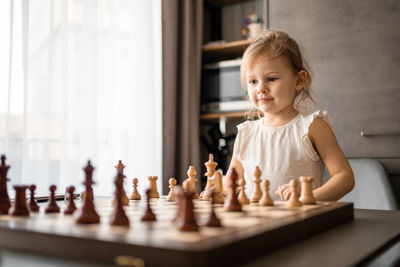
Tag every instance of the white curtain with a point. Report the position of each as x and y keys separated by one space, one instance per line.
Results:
x=80 y=80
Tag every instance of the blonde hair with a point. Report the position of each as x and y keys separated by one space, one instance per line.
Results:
x=273 y=43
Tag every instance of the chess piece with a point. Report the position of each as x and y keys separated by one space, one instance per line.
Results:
x=119 y=216
x=191 y=181
x=213 y=220
x=232 y=203
x=178 y=196
x=19 y=207
x=210 y=166
x=265 y=200
x=242 y=195
x=171 y=194
x=33 y=206
x=257 y=189
x=187 y=221
x=71 y=208
x=294 y=196
x=153 y=187
x=120 y=169
x=218 y=197
x=88 y=212
x=52 y=207
x=5 y=203
x=148 y=214
x=135 y=194
x=306 y=196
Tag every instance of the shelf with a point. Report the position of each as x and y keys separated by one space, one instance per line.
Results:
x=224 y=51
x=212 y=116
x=224 y=2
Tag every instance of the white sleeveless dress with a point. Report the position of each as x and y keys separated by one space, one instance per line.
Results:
x=282 y=153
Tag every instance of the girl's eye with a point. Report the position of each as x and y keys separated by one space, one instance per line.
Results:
x=272 y=79
x=252 y=81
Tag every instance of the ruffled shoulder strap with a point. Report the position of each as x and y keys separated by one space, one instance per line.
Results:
x=306 y=141
x=323 y=114
x=244 y=129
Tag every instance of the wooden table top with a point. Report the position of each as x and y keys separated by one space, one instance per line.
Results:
x=350 y=244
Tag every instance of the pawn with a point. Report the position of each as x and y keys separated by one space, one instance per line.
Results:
x=294 y=196
x=52 y=207
x=33 y=206
x=232 y=203
x=213 y=220
x=71 y=208
x=148 y=214
x=265 y=200
x=171 y=194
x=306 y=196
x=135 y=194
x=19 y=207
x=242 y=195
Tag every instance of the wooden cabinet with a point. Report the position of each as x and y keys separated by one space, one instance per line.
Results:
x=218 y=130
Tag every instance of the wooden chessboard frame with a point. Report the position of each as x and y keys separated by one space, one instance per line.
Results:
x=225 y=249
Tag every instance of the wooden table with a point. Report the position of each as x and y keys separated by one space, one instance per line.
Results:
x=348 y=244
x=360 y=242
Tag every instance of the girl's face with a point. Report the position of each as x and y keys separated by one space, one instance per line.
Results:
x=272 y=84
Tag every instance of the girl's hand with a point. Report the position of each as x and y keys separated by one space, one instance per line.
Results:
x=284 y=191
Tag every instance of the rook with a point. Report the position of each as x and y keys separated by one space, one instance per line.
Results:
x=19 y=208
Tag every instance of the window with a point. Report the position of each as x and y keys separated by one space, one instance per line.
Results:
x=80 y=80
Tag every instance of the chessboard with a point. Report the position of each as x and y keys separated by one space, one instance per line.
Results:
x=245 y=235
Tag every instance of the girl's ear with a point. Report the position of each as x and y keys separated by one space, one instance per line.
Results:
x=301 y=79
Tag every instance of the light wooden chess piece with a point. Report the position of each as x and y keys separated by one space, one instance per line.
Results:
x=242 y=195
x=294 y=196
x=191 y=181
x=306 y=196
x=184 y=185
x=210 y=165
x=257 y=189
x=120 y=169
x=135 y=193
x=218 y=197
x=171 y=194
x=265 y=200
x=153 y=187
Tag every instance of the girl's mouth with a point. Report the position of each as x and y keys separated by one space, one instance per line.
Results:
x=265 y=99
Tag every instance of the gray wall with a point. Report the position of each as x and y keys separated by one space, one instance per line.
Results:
x=353 y=49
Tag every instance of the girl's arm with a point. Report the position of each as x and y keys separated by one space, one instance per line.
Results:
x=238 y=168
x=342 y=178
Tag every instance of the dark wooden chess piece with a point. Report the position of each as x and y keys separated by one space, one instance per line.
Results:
x=52 y=207
x=33 y=206
x=213 y=220
x=88 y=212
x=233 y=203
x=71 y=208
x=4 y=199
x=187 y=220
x=119 y=216
x=19 y=207
x=148 y=214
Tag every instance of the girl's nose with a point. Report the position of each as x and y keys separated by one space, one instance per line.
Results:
x=262 y=88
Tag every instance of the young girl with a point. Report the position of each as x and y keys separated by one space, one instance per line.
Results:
x=287 y=141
